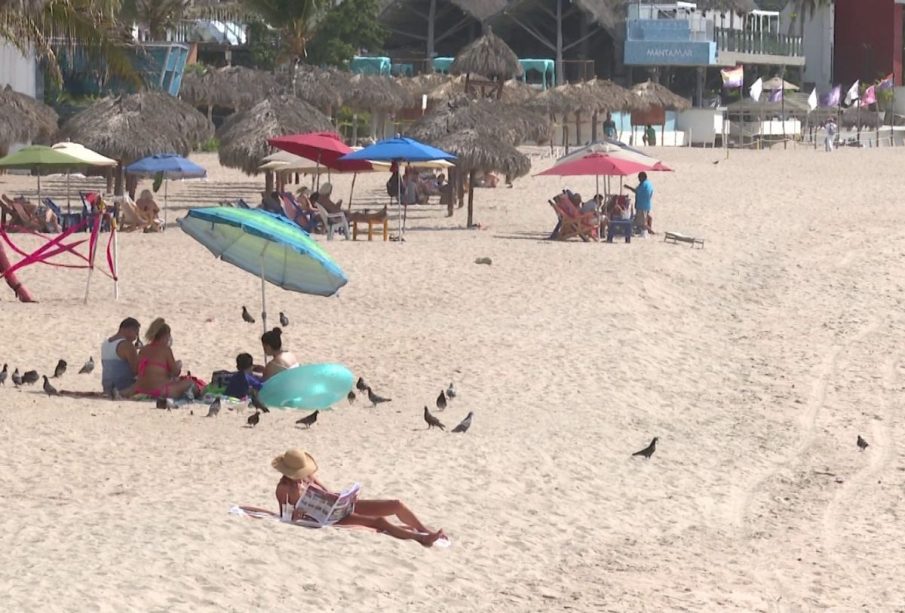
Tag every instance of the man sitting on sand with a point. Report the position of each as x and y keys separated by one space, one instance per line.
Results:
x=119 y=359
x=298 y=469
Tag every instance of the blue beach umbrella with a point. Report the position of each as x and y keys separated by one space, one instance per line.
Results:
x=266 y=245
x=169 y=166
x=399 y=149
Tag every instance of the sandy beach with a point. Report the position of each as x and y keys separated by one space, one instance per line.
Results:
x=756 y=361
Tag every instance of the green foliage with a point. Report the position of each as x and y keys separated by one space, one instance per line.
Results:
x=346 y=120
x=210 y=146
x=156 y=15
x=351 y=25
x=263 y=45
x=296 y=21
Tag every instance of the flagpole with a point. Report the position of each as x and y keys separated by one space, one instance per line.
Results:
x=782 y=101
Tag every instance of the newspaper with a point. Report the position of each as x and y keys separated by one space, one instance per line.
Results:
x=326 y=508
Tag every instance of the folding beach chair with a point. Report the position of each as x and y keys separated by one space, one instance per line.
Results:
x=67 y=220
x=331 y=220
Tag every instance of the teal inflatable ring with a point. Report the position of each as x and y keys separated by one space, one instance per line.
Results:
x=312 y=386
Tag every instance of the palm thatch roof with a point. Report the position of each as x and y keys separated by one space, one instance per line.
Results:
x=510 y=123
x=374 y=93
x=590 y=97
x=319 y=87
x=133 y=126
x=653 y=94
x=475 y=150
x=24 y=119
x=231 y=87
x=481 y=9
x=489 y=57
x=243 y=136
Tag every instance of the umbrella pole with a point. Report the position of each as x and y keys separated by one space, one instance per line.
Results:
x=115 y=239
x=352 y=191
x=399 y=215
x=39 y=186
x=68 y=205
x=263 y=295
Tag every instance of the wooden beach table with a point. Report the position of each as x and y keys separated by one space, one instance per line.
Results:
x=380 y=218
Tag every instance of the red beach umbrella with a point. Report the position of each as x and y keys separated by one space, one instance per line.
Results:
x=322 y=147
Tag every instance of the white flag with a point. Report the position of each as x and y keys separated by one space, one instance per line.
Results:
x=852 y=94
x=756 y=89
x=812 y=100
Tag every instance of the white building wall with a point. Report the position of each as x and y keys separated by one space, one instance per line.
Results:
x=18 y=71
x=817 y=44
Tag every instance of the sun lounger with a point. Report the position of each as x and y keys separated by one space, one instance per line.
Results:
x=572 y=222
x=67 y=220
x=331 y=220
x=19 y=217
x=681 y=238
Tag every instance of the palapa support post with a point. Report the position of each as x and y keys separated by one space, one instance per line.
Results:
x=20 y=290
x=470 y=219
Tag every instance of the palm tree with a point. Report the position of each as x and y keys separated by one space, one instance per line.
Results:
x=90 y=25
x=297 y=21
x=157 y=15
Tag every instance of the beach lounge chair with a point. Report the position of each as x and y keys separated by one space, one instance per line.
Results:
x=242 y=204
x=18 y=217
x=573 y=222
x=130 y=218
x=67 y=220
x=292 y=209
x=673 y=237
x=331 y=220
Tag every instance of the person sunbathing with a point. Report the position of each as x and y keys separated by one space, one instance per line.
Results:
x=44 y=219
x=324 y=199
x=158 y=369
x=299 y=468
x=280 y=360
x=148 y=211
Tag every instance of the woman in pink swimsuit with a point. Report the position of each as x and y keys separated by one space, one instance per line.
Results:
x=158 y=369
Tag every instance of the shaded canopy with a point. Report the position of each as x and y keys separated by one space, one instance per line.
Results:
x=319 y=87
x=442 y=88
x=243 y=136
x=510 y=123
x=589 y=97
x=374 y=93
x=779 y=83
x=133 y=126
x=231 y=87
x=653 y=94
x=489 y=57
x=24 y=119
x=475 y=150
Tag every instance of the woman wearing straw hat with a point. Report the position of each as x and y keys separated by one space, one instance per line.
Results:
x=298 y=469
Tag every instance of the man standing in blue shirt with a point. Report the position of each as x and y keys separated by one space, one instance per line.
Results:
x=644 y=195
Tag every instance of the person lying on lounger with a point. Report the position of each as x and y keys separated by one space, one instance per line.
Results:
x=298 y=469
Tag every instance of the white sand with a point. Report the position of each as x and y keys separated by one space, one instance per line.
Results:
x=757 y=361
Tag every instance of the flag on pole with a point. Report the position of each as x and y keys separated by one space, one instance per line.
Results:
x=870 y=96
x=776 y=95
x=812 y=100
x=853 y=93
x=886 y=83
x=832 y=97
x=733 y=77
x=756 y=89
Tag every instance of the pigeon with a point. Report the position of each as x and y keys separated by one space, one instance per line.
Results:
x=88 y=367
x=361 y=385
x=432 y=422
x=375 y=399
x=256 y=402
x=116 y=395
x=4 y=374
x=214 y=409
x=451 y=391
x=862 y=444
x=166 y=403
x=308 y=420
x=49 y=389
x=30 y=376
x=254 y=419
x=17 y=378
x=648 y=451
x=284 y=321
x=60 y=369
x=441 y=401
x=351 y=397
x=246 y=316
x=716 y=162
x=465 y=424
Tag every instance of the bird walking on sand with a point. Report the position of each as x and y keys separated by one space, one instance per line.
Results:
x=308 y=420
x=49 y=389
x=214 y=409
x=441 y=401
x=166 y=403
x=254 y=419
x=360 y=385
x=284 y=321
x=30 y=377
x=648 y=451
x=463 y=427
x=87 y=367
x=432 y=422
x=862 y=444
x=60 y=369
x=451 y=391
x=375 y=399
x=256 y=402
x=351 y=397
x=246 y=316
x=4 y=374
x=17 y=378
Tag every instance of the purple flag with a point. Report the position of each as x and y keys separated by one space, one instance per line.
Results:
x=886 y=83
x=831 y=98
x=775 y=95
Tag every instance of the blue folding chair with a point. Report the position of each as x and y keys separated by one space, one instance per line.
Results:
x=67 y=220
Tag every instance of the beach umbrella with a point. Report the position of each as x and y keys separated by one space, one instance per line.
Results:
x=399 y=149
x=616 y=149
x=89 y=157
x=38 y=158
x=779 y=83
x=169 y=166
x=266 y=245
x=596 y=165
x=490 y=57
x=23 y=119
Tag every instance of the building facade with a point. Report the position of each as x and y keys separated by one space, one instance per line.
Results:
x=867 y=40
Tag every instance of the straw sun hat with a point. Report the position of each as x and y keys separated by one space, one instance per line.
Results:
x=295 y=464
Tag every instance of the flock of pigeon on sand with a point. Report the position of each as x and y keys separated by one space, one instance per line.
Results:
x=30 y=377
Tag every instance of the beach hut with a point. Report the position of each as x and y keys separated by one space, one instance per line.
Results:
x=243 y=136
x=132 y=126
x=594 y=97
x=479 y=152
x=23 y=119
x=488 y=57
x=656 y=99
x=232 y=87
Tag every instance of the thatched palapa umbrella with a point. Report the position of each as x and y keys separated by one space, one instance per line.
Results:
x=232 y=87
x=375 y=94
x=476 y=151
x=243 y=136
x=511 y=123
x=656 y=95
x=319 y=87
x=23 y=119
x=489 y=57
x=132 y=126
